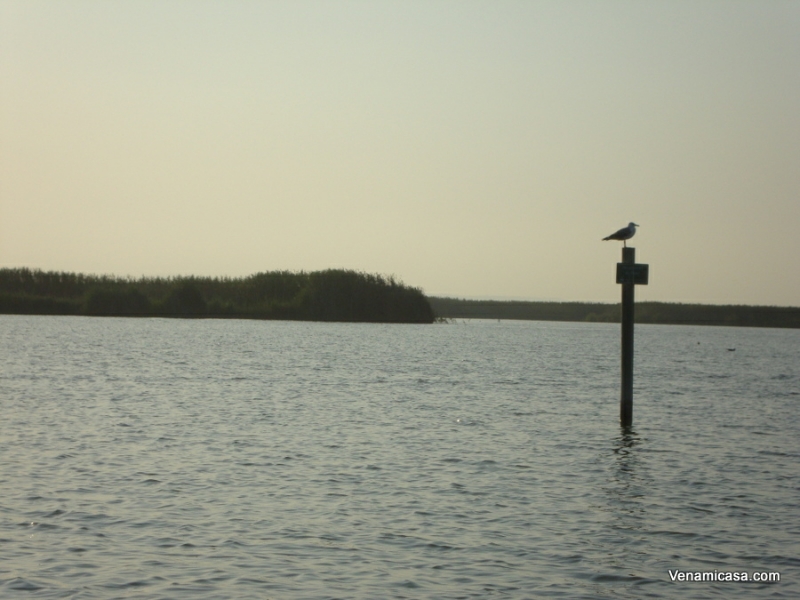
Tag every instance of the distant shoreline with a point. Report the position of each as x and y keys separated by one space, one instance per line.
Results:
x=661 y=313
x=332 y=295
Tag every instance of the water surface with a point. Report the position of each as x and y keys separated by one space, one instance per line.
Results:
x=157 y=458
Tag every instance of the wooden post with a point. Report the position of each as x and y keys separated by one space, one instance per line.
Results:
x=626 y=395
x=629 y=274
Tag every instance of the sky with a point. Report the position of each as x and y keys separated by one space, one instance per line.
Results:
x=472 y=149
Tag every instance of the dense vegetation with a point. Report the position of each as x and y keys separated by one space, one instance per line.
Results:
x=333 y=295
x=646 y=312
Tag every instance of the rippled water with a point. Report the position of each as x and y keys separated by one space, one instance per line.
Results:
x=153 y=458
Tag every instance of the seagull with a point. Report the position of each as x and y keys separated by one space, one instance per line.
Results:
x=623 y=234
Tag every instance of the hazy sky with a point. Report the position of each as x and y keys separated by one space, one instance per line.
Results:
x=473 y=149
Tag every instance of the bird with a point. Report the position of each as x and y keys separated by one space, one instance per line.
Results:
x=623 y=234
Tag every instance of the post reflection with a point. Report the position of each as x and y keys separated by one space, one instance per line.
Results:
x=620 y=540
x=626 y=476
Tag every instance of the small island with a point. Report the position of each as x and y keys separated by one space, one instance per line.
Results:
x=330 y=295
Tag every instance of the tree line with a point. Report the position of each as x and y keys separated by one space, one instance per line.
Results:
x=330 y=295
x=646 y=312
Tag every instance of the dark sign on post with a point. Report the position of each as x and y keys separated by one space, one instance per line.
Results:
x=635 y=273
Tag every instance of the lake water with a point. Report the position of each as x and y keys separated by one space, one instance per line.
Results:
x=157 y=458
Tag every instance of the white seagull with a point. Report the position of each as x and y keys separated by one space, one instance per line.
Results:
x=623 y=234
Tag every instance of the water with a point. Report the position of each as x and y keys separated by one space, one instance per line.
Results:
x=154 y=458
